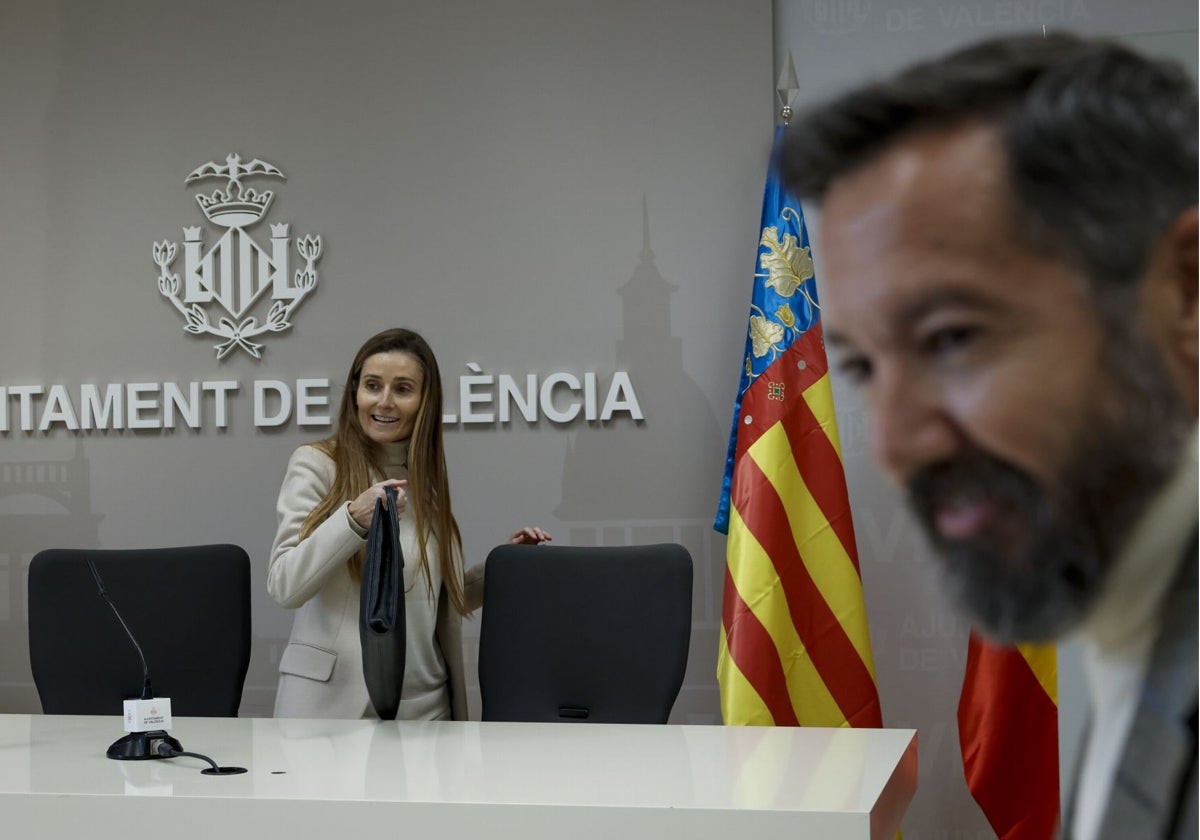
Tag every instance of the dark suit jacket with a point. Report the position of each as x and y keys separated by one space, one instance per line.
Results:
x=1154 y=792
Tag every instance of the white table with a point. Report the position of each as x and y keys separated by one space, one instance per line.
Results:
x=348 y=780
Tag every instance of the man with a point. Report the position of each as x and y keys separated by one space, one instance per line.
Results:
x=1009 y=248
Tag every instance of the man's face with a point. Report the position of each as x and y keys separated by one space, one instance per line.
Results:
x=1020 y=425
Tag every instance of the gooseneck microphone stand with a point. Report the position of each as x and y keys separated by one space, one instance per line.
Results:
x=135 y=746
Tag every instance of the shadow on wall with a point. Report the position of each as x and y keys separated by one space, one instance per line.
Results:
x=43 y=504
x=656 y=480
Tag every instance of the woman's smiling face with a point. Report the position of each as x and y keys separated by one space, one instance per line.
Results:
x=389 y=395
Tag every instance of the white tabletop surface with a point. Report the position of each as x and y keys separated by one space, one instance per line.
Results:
x=308 y=778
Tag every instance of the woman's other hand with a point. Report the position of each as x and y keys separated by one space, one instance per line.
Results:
x=530 y=536
x=363 y=508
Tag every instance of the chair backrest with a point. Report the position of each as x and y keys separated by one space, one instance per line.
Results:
x=188 y=607
x=573 y=633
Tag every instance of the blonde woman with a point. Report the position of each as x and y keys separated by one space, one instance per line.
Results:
x=389 y=433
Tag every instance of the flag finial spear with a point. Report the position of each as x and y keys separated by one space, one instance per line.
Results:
x=787 y=87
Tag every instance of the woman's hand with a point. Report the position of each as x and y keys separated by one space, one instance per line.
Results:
x=530 y=536
x=363 y=508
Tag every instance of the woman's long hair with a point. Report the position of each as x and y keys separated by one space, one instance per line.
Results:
x=358 y=463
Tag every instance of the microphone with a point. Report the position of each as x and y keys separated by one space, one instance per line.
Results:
x=138 y=744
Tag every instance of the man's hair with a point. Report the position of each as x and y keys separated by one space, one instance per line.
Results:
x=1100 y=141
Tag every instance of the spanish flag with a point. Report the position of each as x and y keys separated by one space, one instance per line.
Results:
x=794 y=648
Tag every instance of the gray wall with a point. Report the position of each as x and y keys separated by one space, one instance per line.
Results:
x=538 y=187
x=919 y=645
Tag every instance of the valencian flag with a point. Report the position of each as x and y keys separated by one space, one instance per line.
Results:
x=1008 y=732
x=794 y=643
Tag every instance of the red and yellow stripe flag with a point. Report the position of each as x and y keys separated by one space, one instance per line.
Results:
x=1008 y=732
x=794 y=647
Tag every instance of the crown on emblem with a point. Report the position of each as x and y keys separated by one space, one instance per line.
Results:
x=236 y=207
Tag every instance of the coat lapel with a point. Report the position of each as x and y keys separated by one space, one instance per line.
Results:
x=1155 y=779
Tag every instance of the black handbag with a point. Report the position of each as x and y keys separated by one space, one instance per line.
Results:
x=381 y=610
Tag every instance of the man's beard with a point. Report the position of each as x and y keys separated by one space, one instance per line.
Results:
x=1037 y=580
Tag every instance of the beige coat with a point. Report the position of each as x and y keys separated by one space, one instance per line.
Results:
x=321 y=668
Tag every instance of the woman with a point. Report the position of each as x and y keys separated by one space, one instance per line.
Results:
x=389 y=433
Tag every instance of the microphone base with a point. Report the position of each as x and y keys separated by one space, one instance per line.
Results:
x=137 y=746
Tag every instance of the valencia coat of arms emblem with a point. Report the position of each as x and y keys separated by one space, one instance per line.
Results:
x=237 y=272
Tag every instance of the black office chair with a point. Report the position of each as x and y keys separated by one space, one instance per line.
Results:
x=596 y=634
x=188 y=608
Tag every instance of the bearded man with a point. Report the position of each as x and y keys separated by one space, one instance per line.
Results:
x=1009 y=245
